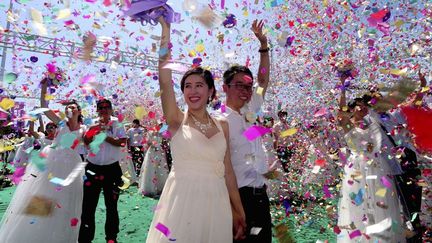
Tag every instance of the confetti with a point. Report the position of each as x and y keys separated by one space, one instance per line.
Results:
x=381 y=192
x=355 y=234
x=40 y=206
x=386 y=182
x=288 y=132
x=254 y=132
x=74 y=222
x=7 y=103
x=9 y=78
x=163 y=229
x=379 y=227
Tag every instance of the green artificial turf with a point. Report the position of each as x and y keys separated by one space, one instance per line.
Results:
x=136 y=212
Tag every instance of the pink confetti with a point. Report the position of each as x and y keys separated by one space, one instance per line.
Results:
x=342 y=157
x=120 y=117
x=254 y=132
x=107 y=3
x=88 y=78
x=19 y=172
x=355 y=234
x=162 y=228
x=320 y=112
x=152 y=115
x=223 y=108
x=386 y=182
x=69 y=22
x=74 y=222
x=326 y=191
x=222 y=4
x=166 y=134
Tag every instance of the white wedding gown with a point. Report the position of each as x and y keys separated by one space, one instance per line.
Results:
x=369 y=205
x=154 y=170
x=20 y=224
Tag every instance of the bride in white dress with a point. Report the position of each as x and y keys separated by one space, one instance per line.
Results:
x=42 y=210
x=200 y=201
x=154 y=170
x=368 y=205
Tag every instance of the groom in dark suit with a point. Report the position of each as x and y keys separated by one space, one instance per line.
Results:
x=102 y=172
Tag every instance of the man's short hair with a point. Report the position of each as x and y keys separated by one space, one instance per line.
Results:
x=136 y=121
x=103 y=101
x=230 y=72
x=282 y=113
x=353 y=103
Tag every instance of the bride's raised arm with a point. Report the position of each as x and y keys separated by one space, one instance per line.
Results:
x=170 y=109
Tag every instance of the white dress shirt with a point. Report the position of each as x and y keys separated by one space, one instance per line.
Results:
x=109 y=153
x=248 y=158
x=135 y=136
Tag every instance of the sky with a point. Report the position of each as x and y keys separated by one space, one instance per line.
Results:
x=321 y=33
x=108 y=23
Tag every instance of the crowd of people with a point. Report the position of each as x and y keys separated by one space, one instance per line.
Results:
x=204 y=159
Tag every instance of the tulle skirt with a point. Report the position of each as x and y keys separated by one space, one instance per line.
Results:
x=154 y=172
x=195 y=208
x=41 y=211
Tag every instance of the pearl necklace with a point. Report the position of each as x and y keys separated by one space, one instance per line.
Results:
x=202 y=127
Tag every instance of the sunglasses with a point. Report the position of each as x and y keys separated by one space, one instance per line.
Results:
x=104 y=108
x=241 y=87
x=51 y=127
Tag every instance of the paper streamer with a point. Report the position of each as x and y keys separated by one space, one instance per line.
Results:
x=71 y=177
x=379 y=227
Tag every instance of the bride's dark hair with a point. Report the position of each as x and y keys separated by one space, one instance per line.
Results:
x=74 y=102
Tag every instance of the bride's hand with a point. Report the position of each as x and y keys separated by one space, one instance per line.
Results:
x=342 y=78
x=163 y=22
x=239 y=225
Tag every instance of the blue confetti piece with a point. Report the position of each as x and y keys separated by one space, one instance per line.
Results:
x=359 y=197
x=287 y=205
x=56 y=181
x=163 y=128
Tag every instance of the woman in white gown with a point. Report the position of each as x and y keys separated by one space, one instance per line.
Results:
x=42 y=210
x=154 y=170
x=38 y=140
x=200 y=201
x=21 y=157
x=368 y=205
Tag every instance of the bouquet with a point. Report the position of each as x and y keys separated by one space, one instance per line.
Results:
x=148 y=11
x=345 y=67
x=54 y=75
